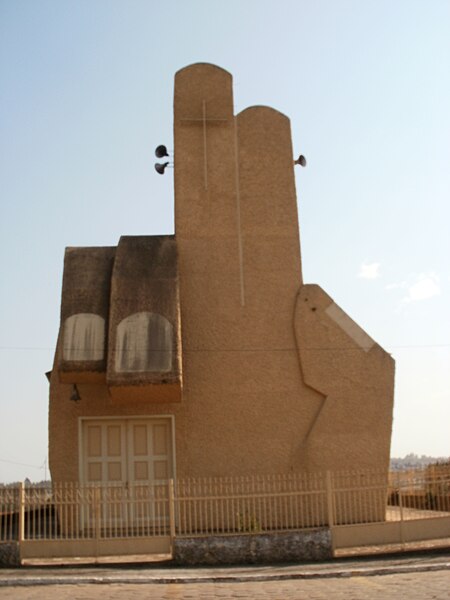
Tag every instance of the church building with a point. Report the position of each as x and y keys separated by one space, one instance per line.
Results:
x=204 y=353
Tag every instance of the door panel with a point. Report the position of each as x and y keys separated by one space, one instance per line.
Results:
x=160 y=439
x=126 y=451
x=134 y=456
x=161 y=469
x=114 y=440
x=94 y=440
x=149 y=460
x=103 y=452
x=150 y=450
x=139 y=437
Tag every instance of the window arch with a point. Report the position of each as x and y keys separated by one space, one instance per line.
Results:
x=84 y=337
x=144 y=343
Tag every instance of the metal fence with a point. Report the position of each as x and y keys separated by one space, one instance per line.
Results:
x=252 y=504
x=359 y=496
x=74 y=511
x=419 y=494
x=220 y=506
x=9 y=514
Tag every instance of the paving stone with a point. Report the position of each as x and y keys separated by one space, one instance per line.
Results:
x=417 y=586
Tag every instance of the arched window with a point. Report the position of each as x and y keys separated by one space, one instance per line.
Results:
x=144 y=344
x=84 y=337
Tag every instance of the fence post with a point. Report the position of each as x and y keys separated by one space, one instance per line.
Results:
x=21 y=524
x=97 y=509
x=330 y=508
x=172 y=511
x=400 y=504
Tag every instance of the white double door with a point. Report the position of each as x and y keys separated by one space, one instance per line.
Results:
x=132 y=459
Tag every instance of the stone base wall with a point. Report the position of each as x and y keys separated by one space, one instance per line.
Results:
x=9 y=555
x=254 y=548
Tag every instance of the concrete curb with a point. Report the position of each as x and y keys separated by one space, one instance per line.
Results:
x=237 y=578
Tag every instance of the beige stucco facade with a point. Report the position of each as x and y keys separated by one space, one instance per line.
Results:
x=212 y=331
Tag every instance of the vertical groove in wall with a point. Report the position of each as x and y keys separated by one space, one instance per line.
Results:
x=205 y=149
x=238 y=214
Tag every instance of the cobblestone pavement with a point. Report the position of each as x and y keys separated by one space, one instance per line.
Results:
x=411 y=586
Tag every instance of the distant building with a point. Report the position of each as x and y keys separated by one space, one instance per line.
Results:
x=204 y=353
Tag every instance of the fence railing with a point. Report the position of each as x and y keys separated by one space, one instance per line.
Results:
x=419 y=494
x=359 y=496
x=215 y=506
x=73 y=511
x=219 y=506
x=9 y=514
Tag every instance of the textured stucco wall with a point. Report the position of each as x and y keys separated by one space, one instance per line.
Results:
x=353 y=422
x=239 y=273
x=269 y=385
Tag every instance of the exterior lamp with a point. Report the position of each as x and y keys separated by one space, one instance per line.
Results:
x=75 y=395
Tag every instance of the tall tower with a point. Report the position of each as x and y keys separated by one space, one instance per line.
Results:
x=204 y=353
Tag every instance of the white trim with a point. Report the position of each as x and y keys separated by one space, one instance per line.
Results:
x=348 y=325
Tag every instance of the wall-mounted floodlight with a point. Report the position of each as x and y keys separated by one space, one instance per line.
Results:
x=161 y=151
x=301 y=160
x=161 y=167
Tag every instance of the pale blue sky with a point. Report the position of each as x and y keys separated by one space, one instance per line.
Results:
x=86 y=94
